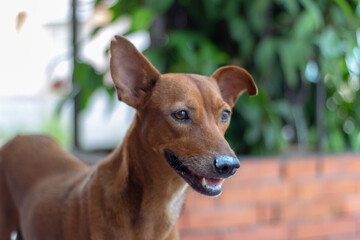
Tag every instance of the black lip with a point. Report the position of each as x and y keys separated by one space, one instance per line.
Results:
x=191 y=178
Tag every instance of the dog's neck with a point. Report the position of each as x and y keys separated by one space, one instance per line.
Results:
x=152 y=194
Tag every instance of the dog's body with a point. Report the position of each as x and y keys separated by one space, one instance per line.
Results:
x=138 y=191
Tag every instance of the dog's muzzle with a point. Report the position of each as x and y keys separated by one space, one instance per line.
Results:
x=224 y=165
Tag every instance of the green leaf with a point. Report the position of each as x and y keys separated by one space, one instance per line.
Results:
x=336 y=140
x=240 y=32
x=122 y=7
x=294 y=55
x=210 y=58
x=305 y=26
x=355 y=140
x=88 y=81
x=265 y=54
x=157 y=58
x=315 y=12
x=292 y=6
x=211 y=9
x=257 y=14
x=253 y=134
x=337 y=16
x=288 y=63
x=347 y=9
x=330 y=43
x=283 y=109
x=141 y=19
x=160 y=6
x=186 y=45
x=250 y=110
x=269 y=136
x=230 y=9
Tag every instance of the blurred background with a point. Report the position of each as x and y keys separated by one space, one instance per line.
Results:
x=304 y=56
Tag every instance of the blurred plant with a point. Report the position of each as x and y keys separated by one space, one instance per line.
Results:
x=303 y=54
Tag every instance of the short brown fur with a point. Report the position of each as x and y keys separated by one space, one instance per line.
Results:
x=133 y=193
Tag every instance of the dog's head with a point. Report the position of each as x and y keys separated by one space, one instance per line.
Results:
x=183 y=116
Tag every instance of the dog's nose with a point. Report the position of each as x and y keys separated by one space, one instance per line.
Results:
x=226 y=165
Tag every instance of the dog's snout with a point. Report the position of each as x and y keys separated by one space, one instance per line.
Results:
x=226 y=165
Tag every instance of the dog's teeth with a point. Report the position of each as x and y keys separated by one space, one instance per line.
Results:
x=203 y=182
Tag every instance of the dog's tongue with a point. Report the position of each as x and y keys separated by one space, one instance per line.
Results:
x=212 y=181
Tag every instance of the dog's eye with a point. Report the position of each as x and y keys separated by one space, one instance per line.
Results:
x=181 y=115
x=225 y=116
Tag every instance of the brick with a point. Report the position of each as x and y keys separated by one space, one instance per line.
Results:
x=320 y=187
x=308 y=189
x=199 y=236
x=337 y=237
x=264 y=192
x=183 y=222
x=338 y=186
x=352 y=204
x=196 y=200
x=340 y=164
x=257 y=169
x=217 y=218
x=318 y=230
x=268 y=213
x=261 y=232
x=258 y=203
x=343 y=237
x=309 y=210
x=295 y=168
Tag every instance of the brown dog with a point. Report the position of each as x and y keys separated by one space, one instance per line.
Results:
x=176 y=140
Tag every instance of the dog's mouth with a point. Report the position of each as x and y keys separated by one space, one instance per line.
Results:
x=201 y=184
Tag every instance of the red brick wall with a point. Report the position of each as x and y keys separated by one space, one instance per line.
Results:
x=281 y=198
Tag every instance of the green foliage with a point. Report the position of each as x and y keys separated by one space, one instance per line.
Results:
x=187 y=51
x=88 y=80
x=53 y=127
x=295 y=49
x=141 y=19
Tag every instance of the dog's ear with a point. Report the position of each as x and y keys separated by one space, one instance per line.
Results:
x=233 y=81
x=132 y=73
